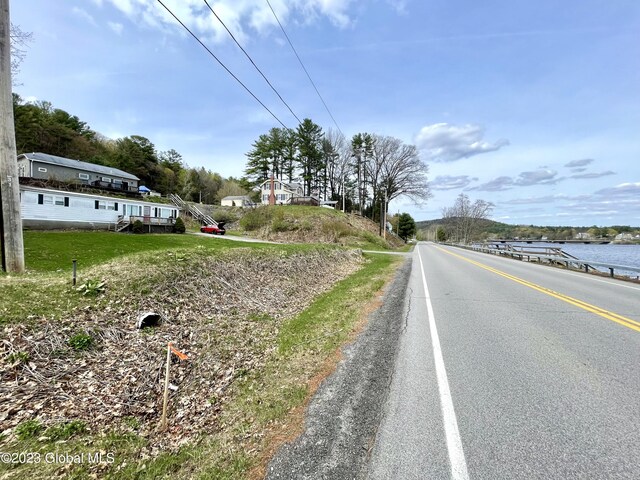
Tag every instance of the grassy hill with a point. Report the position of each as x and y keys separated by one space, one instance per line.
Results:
x=300 y=224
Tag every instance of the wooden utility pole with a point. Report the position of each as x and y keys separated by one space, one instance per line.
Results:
x=11 y=227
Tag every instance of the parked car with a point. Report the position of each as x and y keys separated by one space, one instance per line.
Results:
x=213 y=229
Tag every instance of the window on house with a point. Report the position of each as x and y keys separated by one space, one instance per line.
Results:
x=133 y=210
x=83 y=176
x=53 y=200
x=102 y=205
x=42 y=169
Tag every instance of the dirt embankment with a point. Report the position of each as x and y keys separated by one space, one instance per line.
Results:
x=298 y=224
x=223 y=312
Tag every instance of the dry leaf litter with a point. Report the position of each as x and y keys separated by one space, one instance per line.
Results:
x=224 y=312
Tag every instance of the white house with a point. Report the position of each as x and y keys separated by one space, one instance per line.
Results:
x=284 y=192
x=44 y=209
x=237 y=201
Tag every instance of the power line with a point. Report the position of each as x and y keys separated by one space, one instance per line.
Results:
x=251 y=60
x=222 y=64
x=303 y=67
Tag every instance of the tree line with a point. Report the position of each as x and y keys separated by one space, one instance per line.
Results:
x=466 y=221
x=42 y=128
x=363 y=172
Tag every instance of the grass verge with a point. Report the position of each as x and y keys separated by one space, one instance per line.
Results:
x=267 y=402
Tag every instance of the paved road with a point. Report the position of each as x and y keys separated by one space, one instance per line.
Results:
x=512 y=370
x=234 y=238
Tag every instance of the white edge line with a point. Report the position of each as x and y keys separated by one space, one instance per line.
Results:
x=452 y=434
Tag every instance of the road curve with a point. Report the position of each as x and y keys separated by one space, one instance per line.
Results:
x=510 y=370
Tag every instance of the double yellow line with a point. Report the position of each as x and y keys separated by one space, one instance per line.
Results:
x=614 y=317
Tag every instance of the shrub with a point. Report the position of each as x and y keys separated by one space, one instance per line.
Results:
x=81 y=341
x=225 y=216
x=65 y=431
x=336 y=229
x=28 y=429
x=179 y=226
x=18 y=357
x=256 y=218
x=92 y=287
x=137 y=227
x=279 y=224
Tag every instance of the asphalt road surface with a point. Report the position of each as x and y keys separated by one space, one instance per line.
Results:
x=480 y=367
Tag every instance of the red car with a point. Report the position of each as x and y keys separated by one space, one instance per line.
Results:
x=213 y=229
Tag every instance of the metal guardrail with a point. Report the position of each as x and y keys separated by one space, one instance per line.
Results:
x=560 y=257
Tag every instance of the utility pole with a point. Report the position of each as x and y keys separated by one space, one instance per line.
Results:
x=11 y=225
x=384 y=215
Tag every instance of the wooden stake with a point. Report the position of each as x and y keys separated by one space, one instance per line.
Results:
x=11 y=240
x=165 y=401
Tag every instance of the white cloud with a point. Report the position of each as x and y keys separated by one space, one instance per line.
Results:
x=238 y=15
x=126 y=6
x=84 y=15
x=537 y=177
x=524 y=179
x=116 y=27
x=496 y=185
x=579 y=163
x=399 y=6
x=442 y=142
x=628 y=190
x=447 y=182
x=589 y=176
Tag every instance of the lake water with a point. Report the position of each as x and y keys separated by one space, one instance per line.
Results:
x=628 y=255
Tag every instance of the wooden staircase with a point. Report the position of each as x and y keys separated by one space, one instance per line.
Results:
x=122 y=224
x=194 y=211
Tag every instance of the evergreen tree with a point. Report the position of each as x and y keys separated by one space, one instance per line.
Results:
x=406 y=226
x=309 y=158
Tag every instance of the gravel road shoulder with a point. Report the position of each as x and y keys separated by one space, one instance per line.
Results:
x=344 y=415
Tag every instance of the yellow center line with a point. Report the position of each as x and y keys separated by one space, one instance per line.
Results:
x=614 y=317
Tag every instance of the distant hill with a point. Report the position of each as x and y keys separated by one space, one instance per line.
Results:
x=493 y=229
x=485 y=225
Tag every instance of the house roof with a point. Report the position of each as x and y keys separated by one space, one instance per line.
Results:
x=78 y=164
x=237 y=197
x=289 y=186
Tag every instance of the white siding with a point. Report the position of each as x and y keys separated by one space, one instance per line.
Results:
x=82 y=207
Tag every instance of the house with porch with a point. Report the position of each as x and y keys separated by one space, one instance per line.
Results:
x=51 y=209
x=50 y=167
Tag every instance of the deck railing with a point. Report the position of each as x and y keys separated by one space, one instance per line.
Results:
x=152 y=220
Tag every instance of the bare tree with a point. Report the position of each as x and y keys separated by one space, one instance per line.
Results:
x=403 y=172
x=464 y=217
x=19 y=42
x=381 y=153
x=338 y=166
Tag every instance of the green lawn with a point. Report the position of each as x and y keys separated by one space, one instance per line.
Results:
x=54 y=251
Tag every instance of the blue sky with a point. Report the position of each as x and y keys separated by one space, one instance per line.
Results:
x=533 y=106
